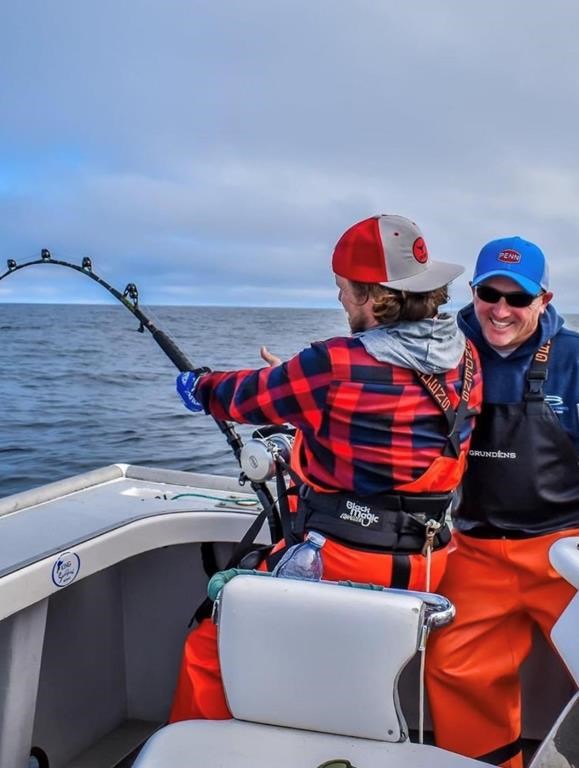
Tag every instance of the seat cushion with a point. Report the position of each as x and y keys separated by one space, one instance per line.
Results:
x=233 y=744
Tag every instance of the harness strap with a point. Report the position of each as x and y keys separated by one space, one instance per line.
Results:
x=242 y=549
x=209 y=558
x=293 y=524
x=433 y=383
x=537 y=375
x=288 y=520
x=400 y=578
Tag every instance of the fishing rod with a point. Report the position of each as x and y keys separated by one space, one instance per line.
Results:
x=129 y=298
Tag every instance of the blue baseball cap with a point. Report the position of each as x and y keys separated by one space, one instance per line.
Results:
x=522 y=261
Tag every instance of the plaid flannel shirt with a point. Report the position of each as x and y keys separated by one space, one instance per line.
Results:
x=367 y=426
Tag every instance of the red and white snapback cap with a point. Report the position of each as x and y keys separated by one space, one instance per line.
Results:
x=391 y=251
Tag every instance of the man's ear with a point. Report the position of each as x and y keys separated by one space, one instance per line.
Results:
x=545 y=299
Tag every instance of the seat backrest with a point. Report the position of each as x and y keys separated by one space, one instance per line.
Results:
x=317 y=655
x=564 y=557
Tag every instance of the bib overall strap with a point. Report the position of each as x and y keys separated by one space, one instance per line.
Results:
x=536 y=377
x=455 y=419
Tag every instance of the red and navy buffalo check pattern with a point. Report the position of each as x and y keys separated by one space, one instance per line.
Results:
x=367 y=426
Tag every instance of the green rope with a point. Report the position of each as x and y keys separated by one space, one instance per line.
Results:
x=220 y=579
x=240 y=502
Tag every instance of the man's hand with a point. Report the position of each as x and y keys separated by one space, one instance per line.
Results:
x=268 y=357
x=186 y=383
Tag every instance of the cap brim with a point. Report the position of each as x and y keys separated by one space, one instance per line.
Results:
x=438 y=274
x=529 y=286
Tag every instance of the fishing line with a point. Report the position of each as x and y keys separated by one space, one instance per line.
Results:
x=129 y=298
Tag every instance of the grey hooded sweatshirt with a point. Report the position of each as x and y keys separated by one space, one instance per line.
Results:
x=429 y=346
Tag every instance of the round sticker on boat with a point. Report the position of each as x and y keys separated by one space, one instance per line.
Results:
x=65 y=569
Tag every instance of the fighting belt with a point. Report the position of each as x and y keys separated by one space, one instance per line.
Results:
x=382 y=523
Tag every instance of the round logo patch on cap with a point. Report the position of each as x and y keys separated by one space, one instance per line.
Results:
x=419 y=250
x=509 y=256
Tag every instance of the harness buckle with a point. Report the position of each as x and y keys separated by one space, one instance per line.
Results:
x=534 y=391
x=431 y=529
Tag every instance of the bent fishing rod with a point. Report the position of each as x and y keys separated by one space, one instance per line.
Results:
x=130 y=300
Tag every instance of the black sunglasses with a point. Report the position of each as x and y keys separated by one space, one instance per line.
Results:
x=517 y=299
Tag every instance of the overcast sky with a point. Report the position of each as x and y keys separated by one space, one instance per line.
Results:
x=213 y=152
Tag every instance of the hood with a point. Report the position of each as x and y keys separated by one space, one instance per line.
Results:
x=428 y=346
x=549 y=324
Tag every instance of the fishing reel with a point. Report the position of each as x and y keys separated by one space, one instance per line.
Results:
x=260 y=456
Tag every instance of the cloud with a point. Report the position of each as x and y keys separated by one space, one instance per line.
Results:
x=216 y=151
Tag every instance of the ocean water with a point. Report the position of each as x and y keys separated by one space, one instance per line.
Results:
x=80 y=388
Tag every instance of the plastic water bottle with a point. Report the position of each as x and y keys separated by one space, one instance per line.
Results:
x=303 y=560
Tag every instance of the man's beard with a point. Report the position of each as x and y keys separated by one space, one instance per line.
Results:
x=357 y=324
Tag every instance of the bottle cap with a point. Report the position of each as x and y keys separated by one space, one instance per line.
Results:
x=316 y=538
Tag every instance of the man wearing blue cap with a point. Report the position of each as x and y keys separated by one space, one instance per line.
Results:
x=520 y=494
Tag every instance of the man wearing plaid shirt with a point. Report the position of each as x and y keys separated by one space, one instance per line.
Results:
x=383 y=420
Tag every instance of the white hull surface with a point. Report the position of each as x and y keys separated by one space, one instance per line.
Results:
x=99 y=576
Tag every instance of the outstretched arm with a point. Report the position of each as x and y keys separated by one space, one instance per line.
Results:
x=294 y=391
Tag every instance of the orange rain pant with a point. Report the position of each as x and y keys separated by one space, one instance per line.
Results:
x=500 y=588
x=200 y=693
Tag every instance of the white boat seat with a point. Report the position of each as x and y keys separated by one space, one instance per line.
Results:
x=307 y=656
x=564 y=556
x=234 y=744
